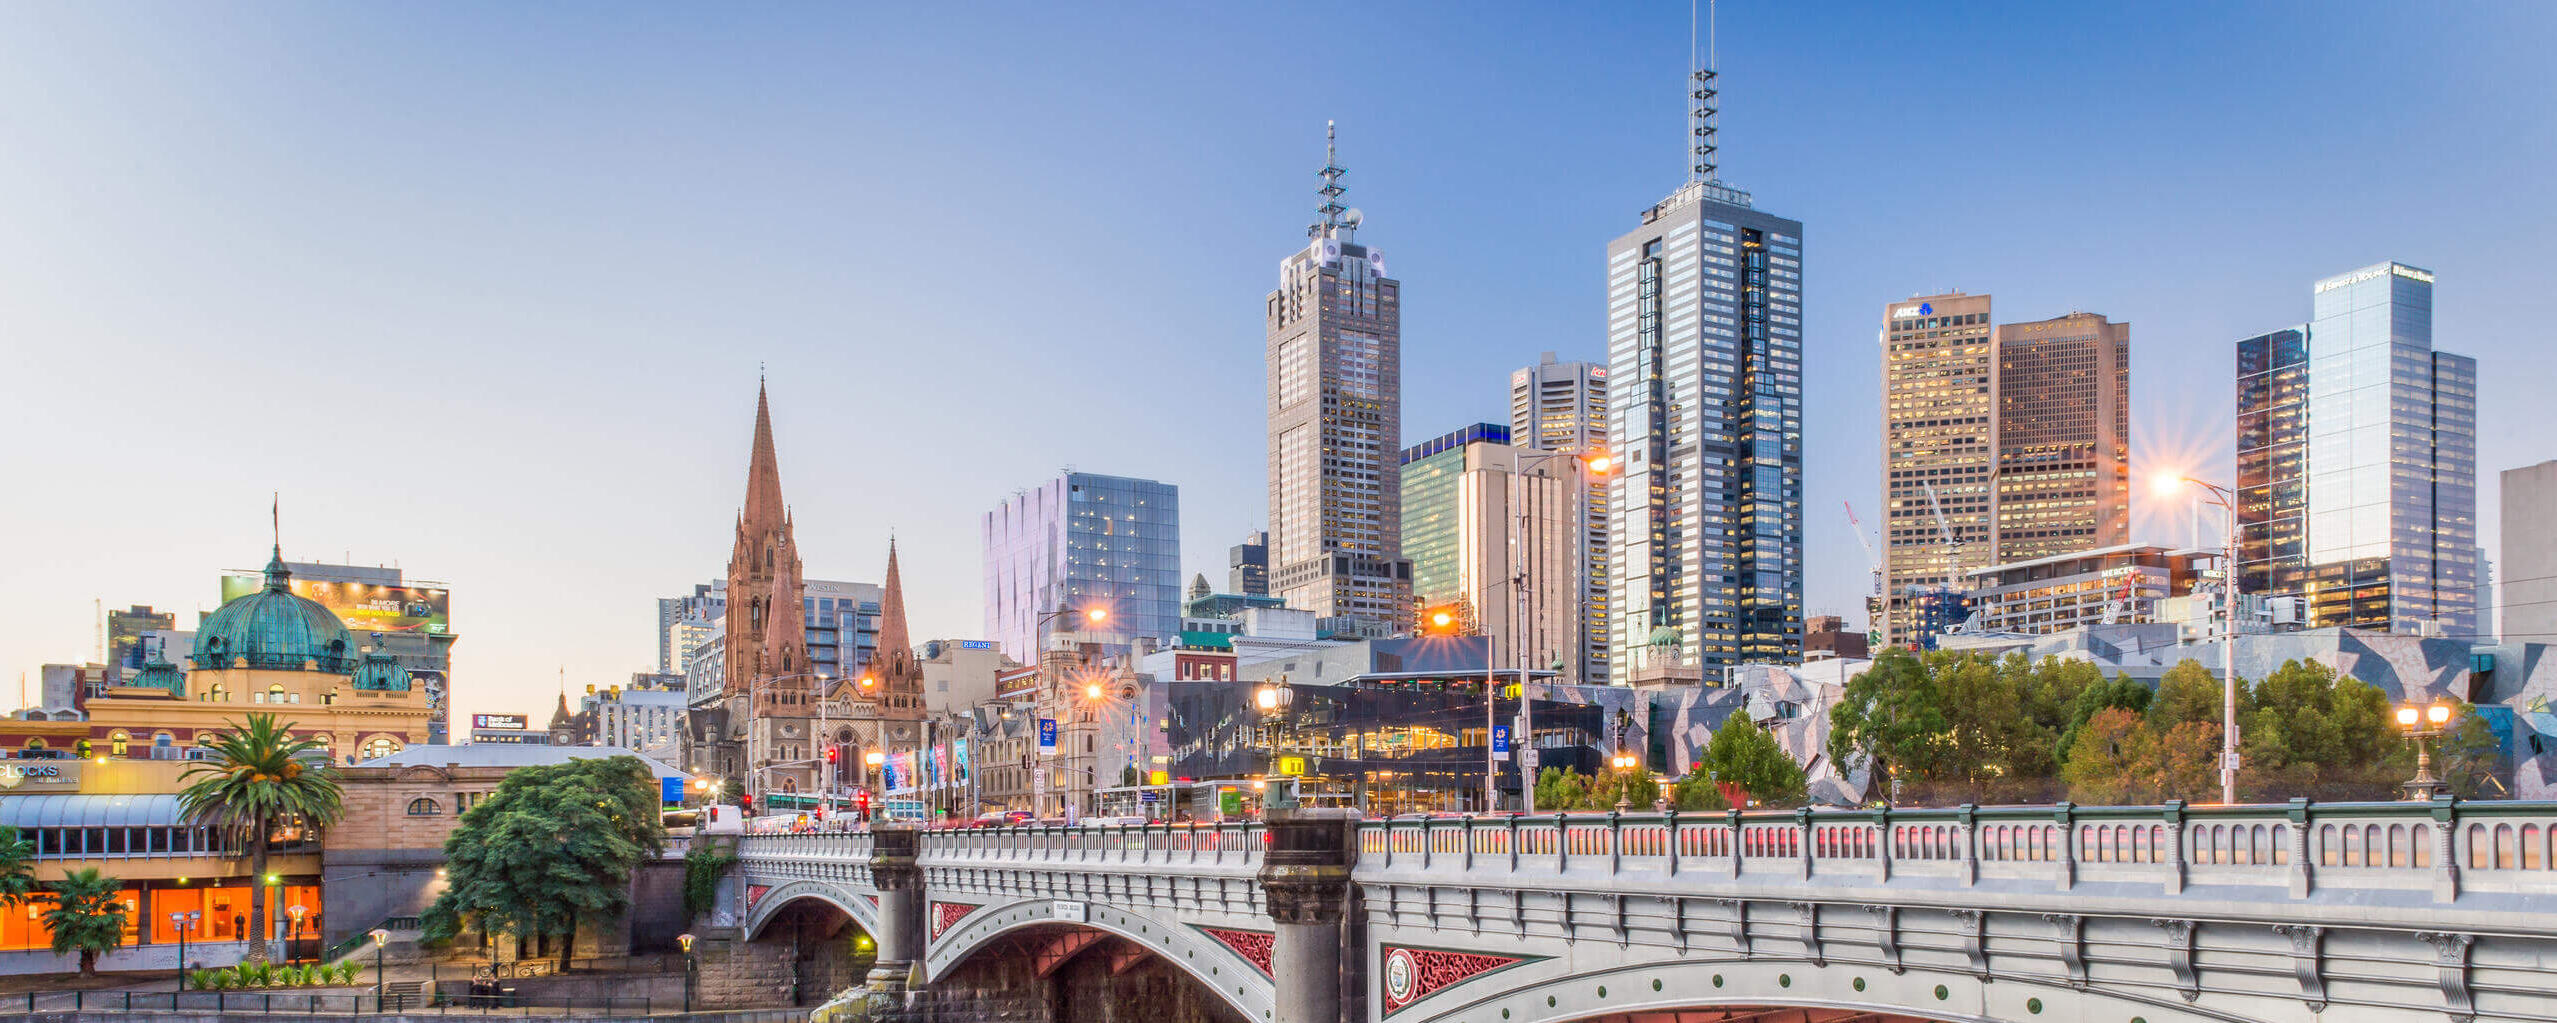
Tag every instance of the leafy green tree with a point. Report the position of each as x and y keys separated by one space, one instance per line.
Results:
x=2308 y=732
x=261 y=778
x=2113 y=760
x=2189 y=692
x=1891 y=717
x=85 y=917
x=551 y=849
x=1558 y=789
x=2096 y=698
x=1744 y=755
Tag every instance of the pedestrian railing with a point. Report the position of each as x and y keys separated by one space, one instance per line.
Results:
x=293 y=1003
x=2446 y=845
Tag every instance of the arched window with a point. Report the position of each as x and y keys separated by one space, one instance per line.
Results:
x=217 y=694
x=34 y=745
x=424 y=807
x=119 y=742
x=380 y=746
x=162 y=740
x=275 y=693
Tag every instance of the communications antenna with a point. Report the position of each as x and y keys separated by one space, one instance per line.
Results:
x=1700 y=96
x=1331 y=209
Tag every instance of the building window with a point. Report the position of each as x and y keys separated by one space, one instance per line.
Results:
x=380 y=746
x=118 y=743
x=424 y=807
x=217 y=694
x=274 y=694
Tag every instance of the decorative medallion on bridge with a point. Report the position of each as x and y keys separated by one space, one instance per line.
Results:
x=755 y=893
x=1412 y=973
x=1253 y=946
x=946 y=913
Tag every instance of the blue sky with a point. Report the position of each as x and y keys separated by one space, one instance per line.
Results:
x=482 y=289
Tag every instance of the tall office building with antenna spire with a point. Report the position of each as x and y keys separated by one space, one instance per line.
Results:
x=1334 y=350
x=1704 y=406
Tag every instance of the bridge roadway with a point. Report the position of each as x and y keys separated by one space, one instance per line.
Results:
x=2328 y=912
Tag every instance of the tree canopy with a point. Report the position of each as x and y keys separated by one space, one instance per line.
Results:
x=552 y=848
x=1744 y=757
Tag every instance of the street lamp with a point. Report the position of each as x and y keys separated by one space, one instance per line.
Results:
x=2170 y=483
x=380 y=938
x=183 y=922
x=1624 y=762
x=2421 y=723
x=1593 y=464
x=692 y=969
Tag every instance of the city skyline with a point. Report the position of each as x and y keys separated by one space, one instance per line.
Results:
x=559 y=408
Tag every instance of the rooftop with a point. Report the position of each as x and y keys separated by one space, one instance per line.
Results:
x=511 y=755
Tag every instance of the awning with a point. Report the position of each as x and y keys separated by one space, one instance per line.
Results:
x=91 y=811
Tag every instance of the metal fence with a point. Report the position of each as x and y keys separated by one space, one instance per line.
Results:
x=288 y=1003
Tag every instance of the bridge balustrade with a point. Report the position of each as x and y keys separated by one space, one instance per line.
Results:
x=2406 y=845
x=1235 y=845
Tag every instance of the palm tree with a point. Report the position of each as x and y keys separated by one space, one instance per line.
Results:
x=17 y=868
x=85 y=917
x=261 y=778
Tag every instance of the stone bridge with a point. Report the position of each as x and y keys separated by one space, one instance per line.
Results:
x=2326 y=912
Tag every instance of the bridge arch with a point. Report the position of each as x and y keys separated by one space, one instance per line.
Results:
x=770 y=905
x=1682 y=990
x=1237 y=982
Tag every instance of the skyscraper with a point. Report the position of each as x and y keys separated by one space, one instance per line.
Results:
x=1334 y=357
x=1562 y=406
x=2357 y=460
x=1079 y=541
x=1248 y=571
x=2064 y=436
x=1704 y=406
x=1480 y=514
x=2000 y=443
x=1939 y=449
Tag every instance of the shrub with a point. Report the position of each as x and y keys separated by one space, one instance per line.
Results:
x=348 y=971
x=201 y=980
x=226 y=978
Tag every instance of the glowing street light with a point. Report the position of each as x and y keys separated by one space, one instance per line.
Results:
x=2169 y=483
x=2421 y=723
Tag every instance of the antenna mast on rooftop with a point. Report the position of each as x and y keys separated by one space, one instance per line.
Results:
x=1700 y=96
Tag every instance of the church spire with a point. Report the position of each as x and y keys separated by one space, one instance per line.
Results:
x=763 y=472
x=892 y=610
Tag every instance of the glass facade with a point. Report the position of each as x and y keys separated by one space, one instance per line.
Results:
x=1705 y=406
x=1078 y=541
x=2357 y=460
x=1432 y=517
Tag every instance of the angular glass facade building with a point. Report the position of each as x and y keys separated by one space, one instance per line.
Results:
x=2357 y=460
x=1080 y=540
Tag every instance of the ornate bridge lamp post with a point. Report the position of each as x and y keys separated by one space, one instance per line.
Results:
x=2421 y=723
x=692 y=969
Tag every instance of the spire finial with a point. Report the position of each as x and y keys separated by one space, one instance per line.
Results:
x=1700 y=96
x=277 y=577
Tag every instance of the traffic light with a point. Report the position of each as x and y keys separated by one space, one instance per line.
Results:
x=861 y=804
x=1442 y=620
x=834 y=755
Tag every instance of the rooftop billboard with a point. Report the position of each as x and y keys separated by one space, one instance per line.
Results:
x=364 y=607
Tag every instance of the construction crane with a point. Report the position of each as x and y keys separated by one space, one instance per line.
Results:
x=1871 y=558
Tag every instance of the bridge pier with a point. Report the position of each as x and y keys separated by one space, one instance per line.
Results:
x=901 y=935
x=1305 y=875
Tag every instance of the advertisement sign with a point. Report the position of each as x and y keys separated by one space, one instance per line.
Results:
x=958 y=760
x=362 y=606
x=1047 y=736
x=670 y=791
x=1500 y=742
x=514 y=722
x=39 y=775
x=1292 y=766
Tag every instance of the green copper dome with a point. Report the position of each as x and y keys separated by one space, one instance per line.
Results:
x=381 y=670
x=275 y=630
x=158 y=673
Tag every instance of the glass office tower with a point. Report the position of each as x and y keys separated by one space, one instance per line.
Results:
x=1078 y=540
x=2357 y=460
x=1704 y=407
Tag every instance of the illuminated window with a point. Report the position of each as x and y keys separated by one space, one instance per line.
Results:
x=118 y=743
x=380 y=746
